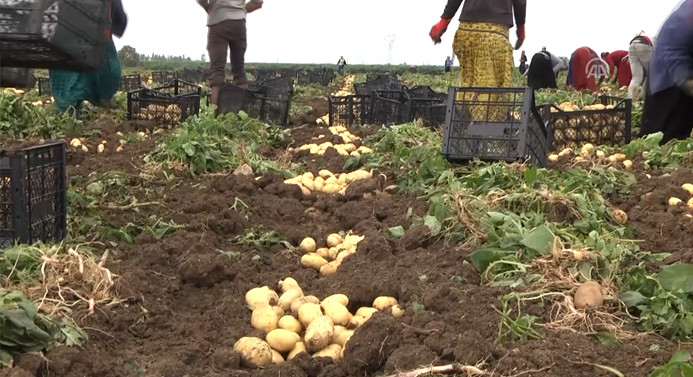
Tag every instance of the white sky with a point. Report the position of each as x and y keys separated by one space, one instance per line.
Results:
x=319 y=31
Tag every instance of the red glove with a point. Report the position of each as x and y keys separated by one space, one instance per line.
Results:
x=520 y=36
x=438 y=30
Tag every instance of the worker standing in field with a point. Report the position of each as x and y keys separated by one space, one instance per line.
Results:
x=340 y=65
x=71 y=88
x=482 y=40
x=669 y=90
x=227 y=31
x=639 y=54
x=523 y=63
x=586 y=70
x=448 y=64
x=619 y=67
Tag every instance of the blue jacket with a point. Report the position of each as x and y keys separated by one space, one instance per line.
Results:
x=672 y=58
x=119 y=20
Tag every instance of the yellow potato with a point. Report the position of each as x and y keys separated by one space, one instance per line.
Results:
x=278 y=310
x=308 y=183
x=366 y=312
x=356 y=322
x=332 y=180
x=303 y=300
x=553 y=157
x=318 y=183
x=325 y=174
x=290 y=323
x=307 y=245
x=331 y=188
x=254 y=352
x=339 y=298
x=349 y=147
x=264 y=318
x=308 y=313
x=334 y=239
x=288 y=283
x=397 y=312
x=277 y=358
x=620 y=216
x=353 y=239
x=288 y=297
x=690 y=203
x=333 y=351
x=627 y=164
x=323 y=252
x=341 y=335
x=313 y=261
x=589 y=294
x=319 y=333
x=298 y=348
x=601 y=154
x=305 y=190
x=282 y=340
x=384 y=302
x=308 y=175
x=261 y=296
x=330 y=268
x=337 y=312
x=332 y=253
x=688 y=187
x=675 y=201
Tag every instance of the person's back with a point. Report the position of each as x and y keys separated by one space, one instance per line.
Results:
x=222 y=10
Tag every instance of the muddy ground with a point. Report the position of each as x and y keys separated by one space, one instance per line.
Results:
x=185 y=305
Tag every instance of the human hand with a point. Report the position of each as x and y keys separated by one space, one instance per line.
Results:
x=520 y=36
x=438 y=30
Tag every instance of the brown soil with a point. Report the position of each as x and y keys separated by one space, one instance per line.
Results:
x=185 y=304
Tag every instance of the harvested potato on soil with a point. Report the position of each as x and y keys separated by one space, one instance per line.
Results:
x=277 y=358
x=298 y=348
x=337 y=312
x=288 y=283
x=620 y=216
x=287 y=298
x=589 y=294
x=330 y=268
x=365 y=312
x=334 y=239
x=341 y=335
x=384 y=302
x=675 y=201
x=313 y=261
x=264 y=318
x=308 y=313
x=356 y=322
x=261 y=296
x=319 y=333
x=340 y=298
x=290 y=323
x=688 y=187
x=254 y=352
x=296 y=305
x=307 y=246
x=397 y=311
x=282 y=340
x=333 y=351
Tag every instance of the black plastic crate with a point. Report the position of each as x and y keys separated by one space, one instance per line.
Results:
x=379 y=76
x=44 y=86
x=494 y=124
x=190 y=75
x=573 y=129
x=303 y=77
x=276 y=85
x=129 y=83
x=322 y=77
x=19 y=78
x=264 y=103
x=33 y=184
x=384 y=83
x=349 y=110
x=65 y=34
x=428 y=105
x=433 y=115
x=168 y=105
x=389 y=107
x=180 y=88
x=163 y=77
x=265 y=74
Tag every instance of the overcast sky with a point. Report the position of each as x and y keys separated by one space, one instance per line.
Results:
x=319 y=31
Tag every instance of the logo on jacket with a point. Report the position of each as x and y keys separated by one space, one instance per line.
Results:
x=597 y=68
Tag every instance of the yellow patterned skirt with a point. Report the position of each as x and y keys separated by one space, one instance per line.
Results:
x=486 y=60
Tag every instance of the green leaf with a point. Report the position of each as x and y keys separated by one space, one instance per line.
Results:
x=352 y=163
x=482 y=258
x=396 y=232
x=74 y=336
x=606 y=338
x=539 y=240
x=632 y=298
x=243 y=115
x=678 y=277
x=681 y=356
x=531 y=176
x=433 y=224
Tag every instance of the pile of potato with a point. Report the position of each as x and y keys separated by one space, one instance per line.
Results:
x=77 y=144
x=569 y=106
x=170 y=114
x=589 y=153
x=328 y=258
x=327 y=182
x=294 y=323
x=674 y=201
x=346 y=89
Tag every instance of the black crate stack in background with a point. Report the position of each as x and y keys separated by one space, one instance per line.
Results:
x=268 y=100
x=166 y=105
x=129 y=83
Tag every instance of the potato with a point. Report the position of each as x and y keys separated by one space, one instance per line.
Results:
x=366 y=312
x=314 y=149
x=332 y=180
x=308 y=175
x=298 y=348
x=332 y=253
x=340 y=298
x=341 y=335
x=674 y=201
x=308 y=183
x=589 y=294
x=627 y=164
x=307 y=147
x=254 y=352
x=264 y=318
x=342 y=180
x=356 y=322
x=331 y=188
x=588 y=147
x=397 y=312
x=323 y=252
x=277 y=358
x=261 y=296
x=688 y=187
x=308 y=313
x=690 y=203
x=334 y=239
x=601 y=154
x=384 y=302
x=288 y=297
x=307 y=245
x=353 y=239
x=313 y=261
x=565 y=152
x=330 y=268
x=288 y=284
x=337 y=312
x=318 y=183
x=319 y=333
x=325 y=174
x=296 y=305
x=282 y=340
x=278 y=310
x=290 y=323
x=349 y=147
x=333 y=351
x=620 y=216
x=553 y=157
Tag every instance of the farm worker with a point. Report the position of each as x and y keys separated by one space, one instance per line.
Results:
x=340 y=65
x=482 y=43
x=540 y=74
x=227 y=31
x=71 y=88
x=669 y=90
x=584 y=68
x=619 y=67
x=639 y=54
x=523 y=63
x=448 y=64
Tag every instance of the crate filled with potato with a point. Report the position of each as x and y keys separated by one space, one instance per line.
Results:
x=168 y=105
x=607 y=122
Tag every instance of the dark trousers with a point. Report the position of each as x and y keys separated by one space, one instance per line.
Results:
x=670 y=112
x=222 y=37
